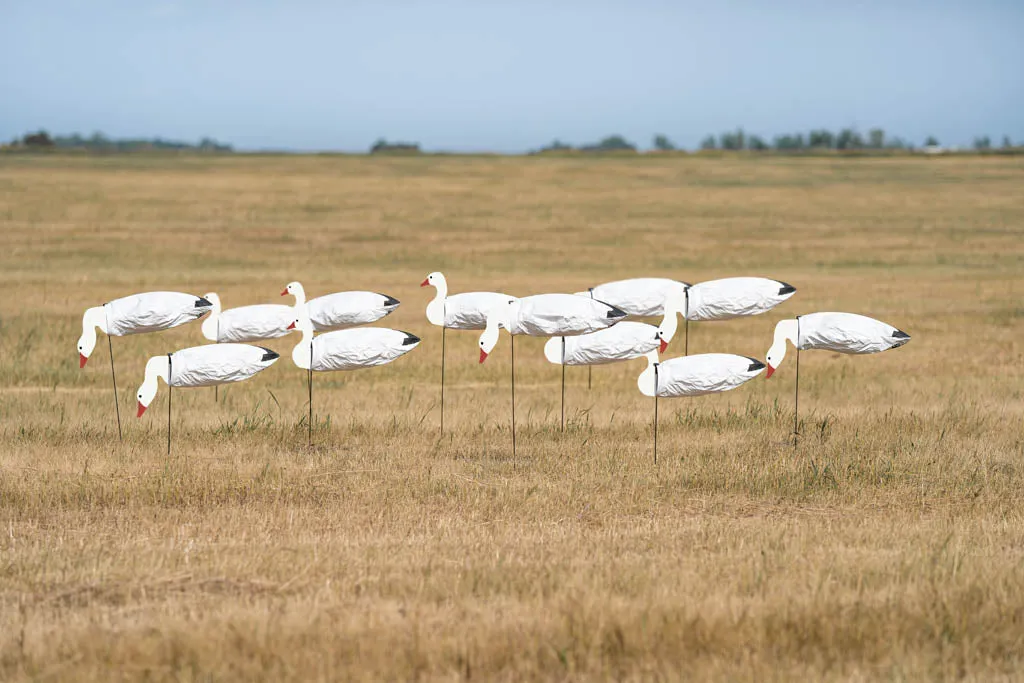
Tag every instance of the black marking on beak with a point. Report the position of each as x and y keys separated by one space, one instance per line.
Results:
x=269 y=355
x=900 y=334
x=786 y=288
x=755 y=365
x=202 y=303
x=410 y=339
x=390 y=301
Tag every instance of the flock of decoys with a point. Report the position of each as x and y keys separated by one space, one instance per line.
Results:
x=586 y=328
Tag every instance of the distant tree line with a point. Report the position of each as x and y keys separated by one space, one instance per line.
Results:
x=101 y=143
x=382 y=146
x=612 y=143
x=847 y=139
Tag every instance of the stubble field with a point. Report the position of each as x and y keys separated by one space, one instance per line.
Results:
x=889 y=544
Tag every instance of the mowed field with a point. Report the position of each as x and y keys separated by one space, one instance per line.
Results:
x=888 y=545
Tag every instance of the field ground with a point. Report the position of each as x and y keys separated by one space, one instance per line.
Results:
x=889 y=545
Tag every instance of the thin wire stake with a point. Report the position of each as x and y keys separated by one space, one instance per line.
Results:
x=309 y=381
x=443 y=330
x=513 y=398
x=686 y=324
x=656 y=413
x=216 y=387
x=113 y=378
x=170 y=391
x=563 y=384
x=590 y=368
x=796 y=392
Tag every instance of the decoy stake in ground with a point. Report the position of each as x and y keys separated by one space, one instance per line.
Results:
x=848 y=333
x=466 y=311
x=201 y=366
x=544 y=315
x=136 y=314
x=361 y=347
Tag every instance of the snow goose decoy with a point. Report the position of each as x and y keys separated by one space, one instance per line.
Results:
x=136 y=314
x=544 y=315
x=201 y=366
x=840 y=332
x=728 y=298
x=246 y=323
x=465 y=311
x=342 y=310
x=703 y=373
x=354 y=349
x=639 y=297
x=623 y=341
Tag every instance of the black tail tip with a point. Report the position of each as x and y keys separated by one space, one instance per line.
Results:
x=203 y=303
x=786 y=288
x=410 y=339
x=900 y=334
x=616 y=313
x=390 y=300
x=755 y=365
x=269 y=355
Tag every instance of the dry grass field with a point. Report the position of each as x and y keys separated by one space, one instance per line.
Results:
x=888 y=545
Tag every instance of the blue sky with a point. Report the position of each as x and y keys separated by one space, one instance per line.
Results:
x=508 y=76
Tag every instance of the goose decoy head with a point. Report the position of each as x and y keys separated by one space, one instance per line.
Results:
x=293 y=288
x=661 y=338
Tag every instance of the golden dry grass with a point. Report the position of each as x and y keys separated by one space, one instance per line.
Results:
x=888 y=545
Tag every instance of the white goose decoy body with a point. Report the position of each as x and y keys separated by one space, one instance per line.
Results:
x=342 y=309
x=465 y=311
x=642 y=297
x=840 y=332
x=547 y=315
x=246 y=323
x=734 y=297
x=138 y=314
x=361 y=347
x=622 y=341
x=203 y=366
x=703 y=373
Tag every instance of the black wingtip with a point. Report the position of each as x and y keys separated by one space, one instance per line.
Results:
x=269 y=355
x=410 y=339
x=615 y=313
x=390 y=301
x=202 y=302
x=755 y=365
x=900 y=334
x=786 y=288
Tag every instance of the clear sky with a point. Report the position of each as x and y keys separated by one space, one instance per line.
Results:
x=508 y=76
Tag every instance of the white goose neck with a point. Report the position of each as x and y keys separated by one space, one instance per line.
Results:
x=302 y=354
x=787 y=330
x=211 y=323
x=95 y=317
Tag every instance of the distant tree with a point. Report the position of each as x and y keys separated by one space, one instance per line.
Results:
x=556 y=146
x=663 y=144
x=382 y=146
x=876 y=138
x=848 y=138
x=1006 y=142
x=896 y=143
x=40 y=139
x=612 y=143
x=821 y=139
x=757 y=144
x=931 y=141
x=982 y=143
x=733 y=141
x=789 y=143
x=709 y=143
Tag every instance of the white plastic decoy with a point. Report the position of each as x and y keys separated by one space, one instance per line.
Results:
x=547 y=315
x=138 y=314
x=840 y=332
x=203 y=366
x=465 y=311
x=703 y=373
x=642 y=297
x=342 y=310
x=246 y=323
